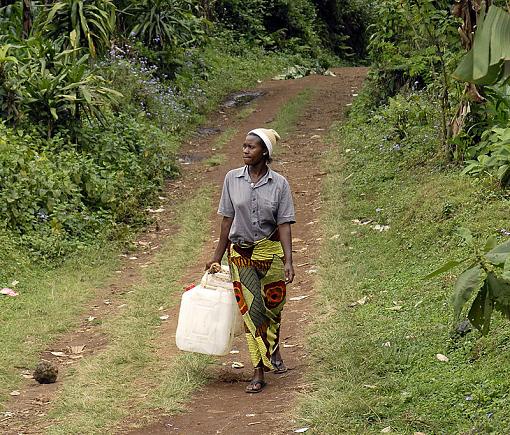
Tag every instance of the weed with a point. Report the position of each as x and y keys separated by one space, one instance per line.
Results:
x=215 y=160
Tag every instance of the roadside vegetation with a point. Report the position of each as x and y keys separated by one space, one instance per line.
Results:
x=418 y=180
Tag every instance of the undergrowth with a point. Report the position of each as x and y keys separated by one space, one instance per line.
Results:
x=391 y=217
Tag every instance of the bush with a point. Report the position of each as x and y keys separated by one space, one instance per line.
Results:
x=58 y=196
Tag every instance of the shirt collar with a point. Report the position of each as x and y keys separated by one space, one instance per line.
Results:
x=243 y=173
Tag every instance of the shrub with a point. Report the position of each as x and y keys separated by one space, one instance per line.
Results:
x=58 y=196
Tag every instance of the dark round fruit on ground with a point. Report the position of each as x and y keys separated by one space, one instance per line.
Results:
x=45 y=372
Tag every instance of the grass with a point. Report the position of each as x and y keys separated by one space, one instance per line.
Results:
x=50 y=302
x=375 y=364
x=215 y=160
x=225 y=137
x=285 y=121
x=246 y=111
x=105 y=389
x=218 y=158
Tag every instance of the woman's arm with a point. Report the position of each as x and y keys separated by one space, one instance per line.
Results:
x=286 y=240
x=226 y=223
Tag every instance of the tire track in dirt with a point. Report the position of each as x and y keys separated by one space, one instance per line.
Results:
x=222 y=406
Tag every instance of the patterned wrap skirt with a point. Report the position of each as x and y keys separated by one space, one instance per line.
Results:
x=259 y=286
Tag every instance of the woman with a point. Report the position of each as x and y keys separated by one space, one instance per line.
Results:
x=257 y=209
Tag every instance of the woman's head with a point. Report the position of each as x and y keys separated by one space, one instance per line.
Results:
x=265 y=139
x=255 y=151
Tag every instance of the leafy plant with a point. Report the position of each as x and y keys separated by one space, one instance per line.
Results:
x=160 y=23
x=493 y=155
x=487 y=276
x=53 y=86
x=80 y=23
x=10 y=22
x=8 y=94
x=488 y=62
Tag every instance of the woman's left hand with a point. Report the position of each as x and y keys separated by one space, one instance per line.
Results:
x=289 y=272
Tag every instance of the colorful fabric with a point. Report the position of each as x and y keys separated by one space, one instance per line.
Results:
x=259 y=287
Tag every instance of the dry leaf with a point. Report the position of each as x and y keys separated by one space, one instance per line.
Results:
x=58 y=353
x=15 y=393
x=442 y=358
x=395 y=308
x=380 y=228
x=77 y=349
x=336 y=236
x=296 y=240
x=298 y=298
x=237 y=365
x=361 y=301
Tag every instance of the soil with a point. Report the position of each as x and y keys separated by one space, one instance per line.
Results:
x=222 y=407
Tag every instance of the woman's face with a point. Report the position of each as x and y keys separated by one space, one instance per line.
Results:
x=253 y=150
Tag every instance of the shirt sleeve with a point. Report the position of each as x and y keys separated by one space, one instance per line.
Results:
x=226 y=207
x=286 y=213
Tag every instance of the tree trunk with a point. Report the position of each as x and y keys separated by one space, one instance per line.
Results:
x=27 y=18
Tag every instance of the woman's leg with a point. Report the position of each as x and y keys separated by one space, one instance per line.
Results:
x=257 y=383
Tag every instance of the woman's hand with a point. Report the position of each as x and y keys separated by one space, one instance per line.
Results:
x=289 y=272
x=213 y=266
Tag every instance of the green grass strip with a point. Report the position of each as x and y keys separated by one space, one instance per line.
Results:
x=285 y=121
x=129 y=374
x=374 y=363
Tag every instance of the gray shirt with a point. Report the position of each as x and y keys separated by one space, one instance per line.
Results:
x=257 y=209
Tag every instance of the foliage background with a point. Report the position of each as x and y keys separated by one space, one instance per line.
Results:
x=96 y=96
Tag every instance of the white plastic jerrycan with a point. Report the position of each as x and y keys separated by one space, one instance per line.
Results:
x=207 y=317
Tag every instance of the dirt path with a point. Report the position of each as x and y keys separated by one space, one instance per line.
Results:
x=223 y=407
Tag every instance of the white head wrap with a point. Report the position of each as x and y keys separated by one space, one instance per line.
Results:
x=268 y=136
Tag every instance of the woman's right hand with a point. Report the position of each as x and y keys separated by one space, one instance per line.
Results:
x=213 y=266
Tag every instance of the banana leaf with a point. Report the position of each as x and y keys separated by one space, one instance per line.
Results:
x=488 y=61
